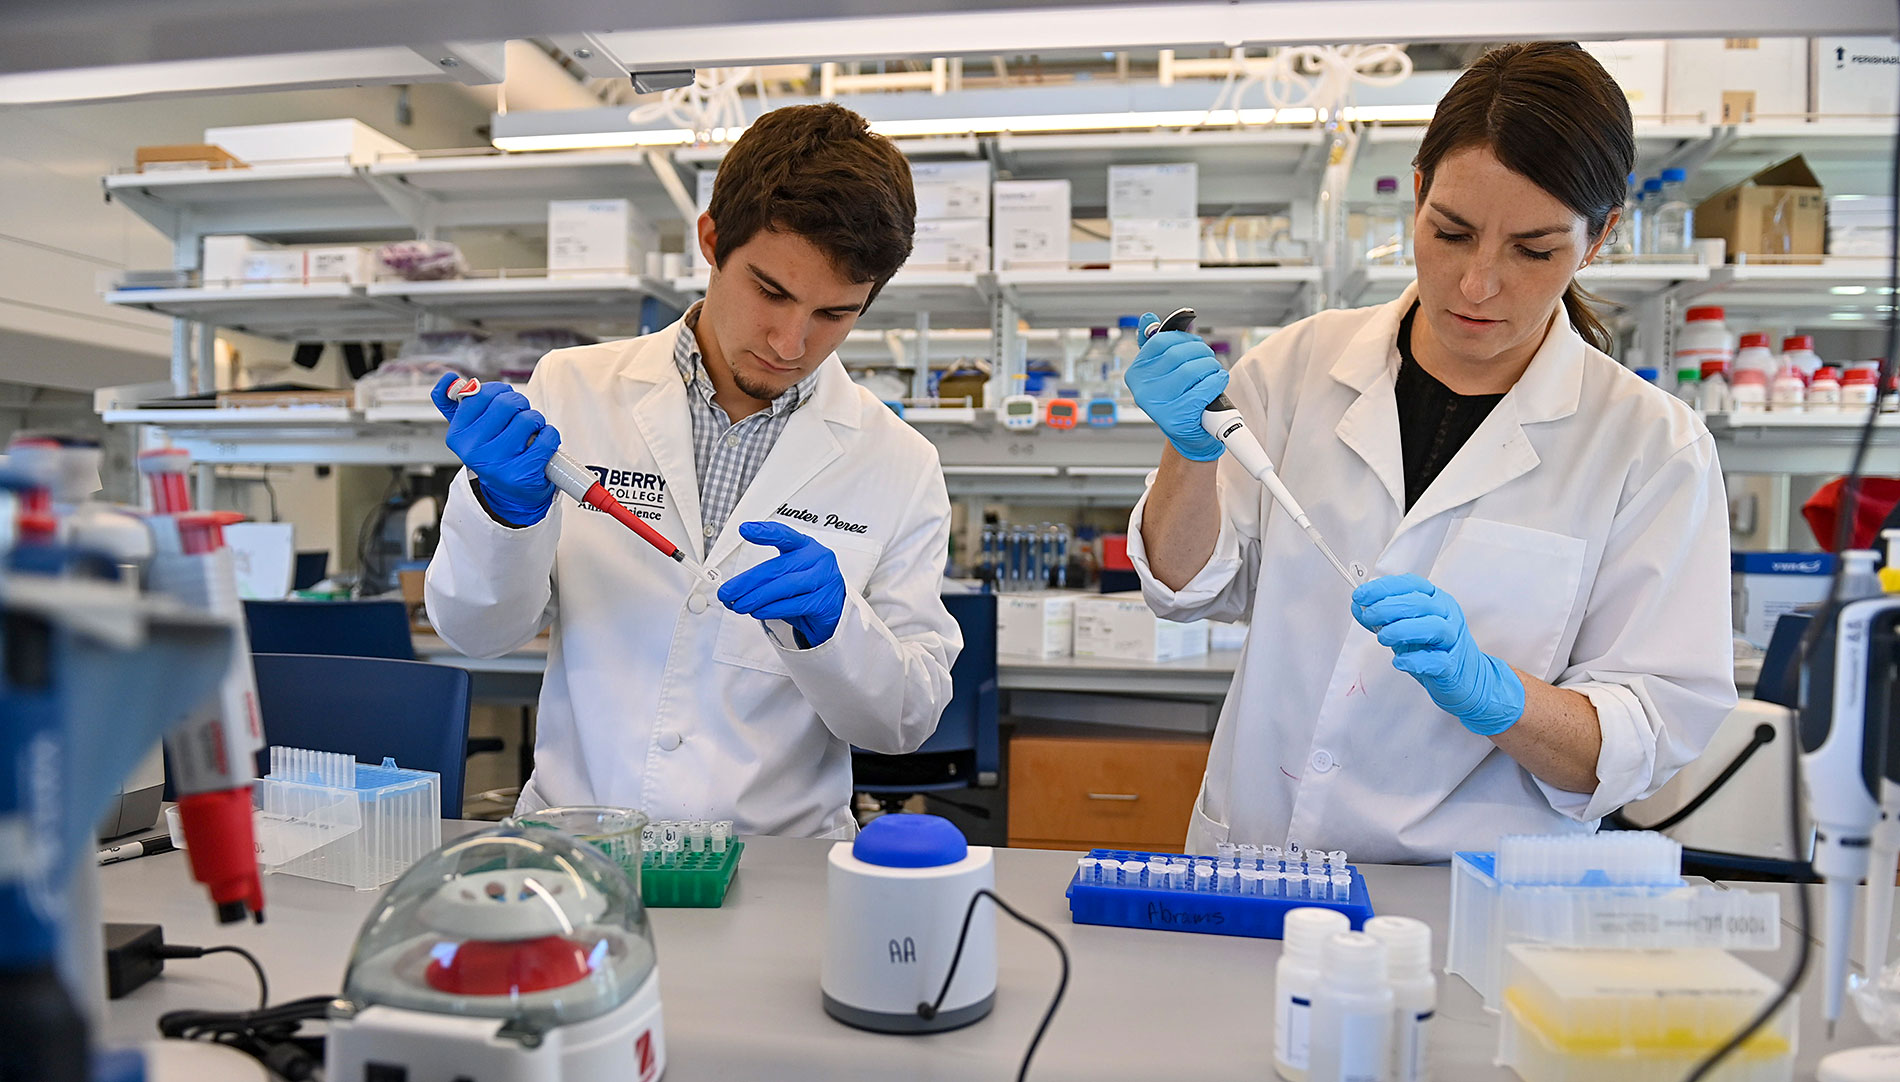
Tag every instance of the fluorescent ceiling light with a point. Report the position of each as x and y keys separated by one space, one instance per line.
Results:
x=599 y=140
x=1847 y=291
x=1389 y=114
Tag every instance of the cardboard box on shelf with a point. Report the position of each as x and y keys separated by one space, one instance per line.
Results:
x=221 y=259
x=352 y=265
x=1778 y=215
x=1154 y=191
x=1154 y=243
x=1031 y=224
x=1122 y=627
x=1639 y=68
x=1037 y=625
x=951 y=189
x=184 y=156
x=1854 y=77
x=597 y=236
x=961 y=244
x=310 y=141
x=1736 y=80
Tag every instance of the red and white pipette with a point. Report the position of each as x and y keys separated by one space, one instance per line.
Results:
x=578 y=482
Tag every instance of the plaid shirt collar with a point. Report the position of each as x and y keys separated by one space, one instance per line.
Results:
x=692 y=368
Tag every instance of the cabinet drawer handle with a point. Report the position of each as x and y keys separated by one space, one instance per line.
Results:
x=1114 y=796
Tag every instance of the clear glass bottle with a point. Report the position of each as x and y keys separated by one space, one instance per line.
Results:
x=1673 y=218
x=1385 y=226
x=1623 y=241
x=1652 y=202
x=1122 y=353
x=1091 y=369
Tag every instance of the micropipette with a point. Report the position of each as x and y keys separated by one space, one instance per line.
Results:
x=578 y=482
x=1222 y=421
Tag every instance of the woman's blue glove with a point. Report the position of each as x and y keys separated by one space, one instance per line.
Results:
x=1174 y=377
x=801 y=585
x=506 y=444
x=1426 y=630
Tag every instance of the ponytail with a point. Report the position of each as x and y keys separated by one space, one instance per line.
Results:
x=1579 y=306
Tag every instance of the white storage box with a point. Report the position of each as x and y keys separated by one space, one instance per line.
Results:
x=951 y=189
x=351 y=265
x=1121 y=627
x=1039 y=625
x=312 y=141
x=960 y=244
x=1854 y=77
x=1031 y=219
x=1154 y=191
x=273 y=268
x=1639 y=68
x=221 y=262
x=1225 y=636
x=1732 y=80
x=1154 y=243
x=597 y=236
x=1763 y=585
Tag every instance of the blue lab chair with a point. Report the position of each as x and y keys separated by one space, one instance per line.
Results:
x=342 y=628
x=368 y=708
x=965 y=746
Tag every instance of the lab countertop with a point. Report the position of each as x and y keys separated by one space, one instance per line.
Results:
x=740 y=983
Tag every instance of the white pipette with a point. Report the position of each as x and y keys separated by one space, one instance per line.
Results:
x=1222 y=421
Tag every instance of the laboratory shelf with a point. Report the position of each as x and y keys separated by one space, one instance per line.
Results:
x=950 y=298
x=1839 y=289
x=466 y=182
x=1621 y=284
x=232 y=417
x=948 y=146
x=326 y=310
x=1801 y=443
x=1223 y=296
x=1247 y=170
x=533 y=297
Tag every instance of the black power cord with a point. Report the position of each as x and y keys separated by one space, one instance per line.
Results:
x=177 y=950
x=1763 y=736
x=268 y=1035
x=1844 y=534
x=928 y=1011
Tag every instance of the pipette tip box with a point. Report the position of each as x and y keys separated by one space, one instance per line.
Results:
x=1200 y=898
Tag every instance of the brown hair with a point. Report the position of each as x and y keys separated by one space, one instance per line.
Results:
x=1550 y=113
x=820 y=172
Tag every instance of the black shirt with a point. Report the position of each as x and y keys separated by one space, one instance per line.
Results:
x=1434 y=420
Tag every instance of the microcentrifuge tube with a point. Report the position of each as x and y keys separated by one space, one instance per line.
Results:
x=1203 y=877
x=649 y=838
x=721 y=834
x=696 y=832
x=1271 y=852
x=1224 y=850
x=1294 y=852
x=1131 y=872
x=1250 y=880
x=1227 y=878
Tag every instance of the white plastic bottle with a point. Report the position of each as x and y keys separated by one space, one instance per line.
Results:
x=1824 y=391
x=1860 y=389
x=1748 y=391
x=1798 y=350
x=1295 y=979
x=1408 y=961
x=1789 y=392
x=1352 y=1012
x=1890 y=398
x=1756 y=356
x=1674 y=221
x=1385 y=225
x=1688 y=386
x=1714 y=393
x=1704 y=338
x=1127 y=344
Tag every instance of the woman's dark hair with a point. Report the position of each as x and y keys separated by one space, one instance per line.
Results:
x=820 y=172
x=1550 y=113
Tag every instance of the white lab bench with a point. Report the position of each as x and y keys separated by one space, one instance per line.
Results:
x=740 y=983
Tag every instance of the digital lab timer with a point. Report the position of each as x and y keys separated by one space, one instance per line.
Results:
x=1103 y=413
x=1021 y=411
x=1061 y=413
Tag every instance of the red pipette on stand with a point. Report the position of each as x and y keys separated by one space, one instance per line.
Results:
x=578 y=482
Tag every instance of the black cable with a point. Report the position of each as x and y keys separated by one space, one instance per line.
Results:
x=179 y=950
x=928 y=1011
x=1764 y=735
x=1843 y=537
x=268 y=1035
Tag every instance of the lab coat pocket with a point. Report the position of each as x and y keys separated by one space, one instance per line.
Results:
x=1205 y=832
x=1517 y=586
x=742 y=641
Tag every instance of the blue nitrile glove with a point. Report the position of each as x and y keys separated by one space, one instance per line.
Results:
x=1174 y=377
x=801 y=585
x=1426 y=630
x=506 y=445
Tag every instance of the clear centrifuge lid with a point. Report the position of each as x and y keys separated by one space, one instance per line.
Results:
x=515 y=923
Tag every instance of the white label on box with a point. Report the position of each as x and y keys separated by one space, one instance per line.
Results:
x=273 y=268
x=351 y=265
x=597 y=236
x=1031 y=219
x=1154 y=191
x=1855 y=77
x=1035 y=625
x=1732 y=80
x=1162 y=242
x=222 y=263
x=960 y=244
x=1122 y=627
x=951 y=189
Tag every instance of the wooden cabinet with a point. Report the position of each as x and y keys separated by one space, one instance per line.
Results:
x=1132 y=791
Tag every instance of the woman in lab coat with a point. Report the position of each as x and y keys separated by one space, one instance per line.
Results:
x=1544 y=635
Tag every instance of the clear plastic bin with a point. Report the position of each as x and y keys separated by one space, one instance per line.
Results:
x=322 y=815
x=1591 y=1015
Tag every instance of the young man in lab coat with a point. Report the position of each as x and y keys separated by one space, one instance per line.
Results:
x=737 y=434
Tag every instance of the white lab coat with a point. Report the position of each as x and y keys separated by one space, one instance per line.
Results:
x=1583 y=530
x=657 y=696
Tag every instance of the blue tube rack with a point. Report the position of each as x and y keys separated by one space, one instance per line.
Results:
x=1196 y=902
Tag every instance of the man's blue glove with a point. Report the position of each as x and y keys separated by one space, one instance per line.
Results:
x=506 y=444
x=1174 y=377
x=801 y=585
x=1426 y=630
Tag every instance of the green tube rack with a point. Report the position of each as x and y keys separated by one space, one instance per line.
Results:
x=689 y=880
